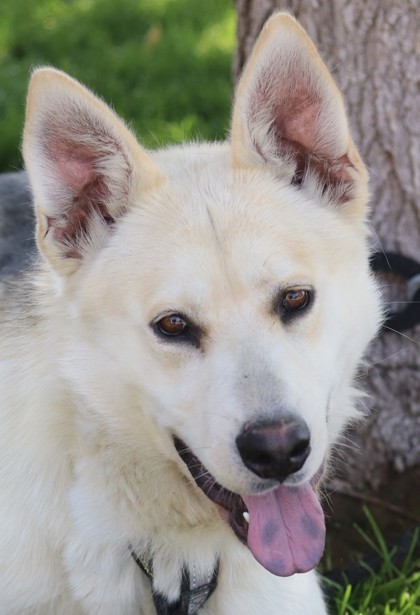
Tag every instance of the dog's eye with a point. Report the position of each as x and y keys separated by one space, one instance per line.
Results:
x=296 y=299
x=292 y=302
x=172 y=325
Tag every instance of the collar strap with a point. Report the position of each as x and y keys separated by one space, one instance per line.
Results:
x=191 y=598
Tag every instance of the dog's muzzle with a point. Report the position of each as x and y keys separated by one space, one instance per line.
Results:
x=284 y=528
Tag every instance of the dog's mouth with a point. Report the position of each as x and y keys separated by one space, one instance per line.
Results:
x=284 y=528
x=233 y=507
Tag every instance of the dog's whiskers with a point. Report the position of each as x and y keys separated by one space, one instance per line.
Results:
x=410 y=339
x=384 y=359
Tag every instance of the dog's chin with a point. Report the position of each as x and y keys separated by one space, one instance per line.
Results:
x=286 y=533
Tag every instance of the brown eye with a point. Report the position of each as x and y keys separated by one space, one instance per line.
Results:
x=172 y=325
x=295 y=300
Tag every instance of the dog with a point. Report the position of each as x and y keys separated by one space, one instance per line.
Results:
x=177 y=363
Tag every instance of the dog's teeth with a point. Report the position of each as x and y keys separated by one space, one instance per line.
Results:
x=246 y=516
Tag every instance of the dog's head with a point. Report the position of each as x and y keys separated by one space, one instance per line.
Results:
x=220 y=293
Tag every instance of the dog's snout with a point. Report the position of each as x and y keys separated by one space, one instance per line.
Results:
x=275 y=450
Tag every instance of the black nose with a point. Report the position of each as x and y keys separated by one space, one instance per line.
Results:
x=275 y=450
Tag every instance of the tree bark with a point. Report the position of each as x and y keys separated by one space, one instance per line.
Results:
x=370 y=47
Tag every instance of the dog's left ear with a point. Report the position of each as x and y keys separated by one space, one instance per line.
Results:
x=85 y=168
x=289 y=114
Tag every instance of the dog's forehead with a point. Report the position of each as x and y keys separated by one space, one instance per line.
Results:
x=212 y=229
x=206 y=208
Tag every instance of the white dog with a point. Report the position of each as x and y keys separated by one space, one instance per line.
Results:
x=184 y=353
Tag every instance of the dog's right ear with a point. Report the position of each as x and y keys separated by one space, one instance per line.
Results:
x=84 y=167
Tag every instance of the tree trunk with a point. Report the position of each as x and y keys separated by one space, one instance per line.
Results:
x=371 y=46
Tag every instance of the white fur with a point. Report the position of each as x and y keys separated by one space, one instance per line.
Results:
x=91 y=397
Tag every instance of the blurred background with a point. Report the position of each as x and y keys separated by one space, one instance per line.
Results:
x=164 y=65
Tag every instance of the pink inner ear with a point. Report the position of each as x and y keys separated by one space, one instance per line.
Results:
x=85 y=194
x=297 y=121
x=76 y=174
x=74 y=164
x=291 y=109
x=87 y=174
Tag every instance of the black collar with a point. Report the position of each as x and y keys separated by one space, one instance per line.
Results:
x=191 y=598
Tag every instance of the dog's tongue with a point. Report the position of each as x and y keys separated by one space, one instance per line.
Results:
x=286 y=531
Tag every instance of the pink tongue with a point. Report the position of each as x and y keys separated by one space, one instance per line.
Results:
x=286 y=531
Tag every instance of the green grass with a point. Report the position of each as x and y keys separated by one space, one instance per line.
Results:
x=392 y=590
x=165 y=65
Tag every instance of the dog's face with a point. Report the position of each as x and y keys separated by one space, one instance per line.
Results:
x=238 y=313
x=219 y=293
